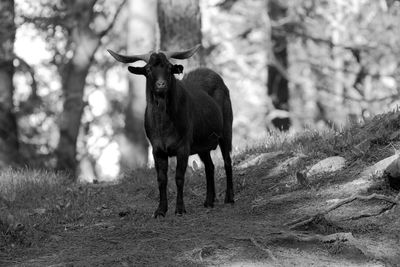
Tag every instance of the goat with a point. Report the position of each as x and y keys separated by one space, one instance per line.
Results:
x=182 y=118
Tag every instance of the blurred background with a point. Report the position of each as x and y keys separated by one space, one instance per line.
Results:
x=65 y=104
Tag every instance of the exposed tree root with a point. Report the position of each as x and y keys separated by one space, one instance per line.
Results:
x=307 y=219
x=344 y=237
x=371 y=214
x=336 y=237
x=315 y=237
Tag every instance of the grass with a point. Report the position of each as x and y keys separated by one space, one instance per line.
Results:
x=40 y=203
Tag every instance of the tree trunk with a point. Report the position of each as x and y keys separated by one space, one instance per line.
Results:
x=9 y=144
x=277 y=84
x=142 y=23
x=73 y=84
x=180 y=28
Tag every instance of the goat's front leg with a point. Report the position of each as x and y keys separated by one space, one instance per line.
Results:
x=182 y=161
x=161 y=164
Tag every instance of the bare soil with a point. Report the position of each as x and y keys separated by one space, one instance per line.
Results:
x=119 y=229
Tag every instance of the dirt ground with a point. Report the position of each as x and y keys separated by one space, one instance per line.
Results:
x=252 y=232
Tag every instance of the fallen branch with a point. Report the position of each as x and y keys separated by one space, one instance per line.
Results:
x=307 y=219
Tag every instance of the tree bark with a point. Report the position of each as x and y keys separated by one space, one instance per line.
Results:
x=277 y=84
x=180 y=28
x=142 y=23
x=9 y=144
x=73 y=74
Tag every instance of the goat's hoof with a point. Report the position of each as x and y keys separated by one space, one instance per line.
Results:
x=229 y=198
x=208 y=204
x=180 y=211
x=159 y=212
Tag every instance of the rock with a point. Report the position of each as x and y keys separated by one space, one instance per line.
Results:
x=367 y=178
x=330 y=164
x=392 y=173
x=284 y=166
x=257 y=160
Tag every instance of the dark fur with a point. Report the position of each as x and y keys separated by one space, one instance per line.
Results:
x=192 y=116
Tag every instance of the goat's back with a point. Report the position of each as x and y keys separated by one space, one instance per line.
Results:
x=207 y=80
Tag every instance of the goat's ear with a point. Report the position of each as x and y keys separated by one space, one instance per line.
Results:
x=177 y=69
x=137 y=70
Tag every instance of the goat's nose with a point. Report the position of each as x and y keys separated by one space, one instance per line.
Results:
x=161 y=84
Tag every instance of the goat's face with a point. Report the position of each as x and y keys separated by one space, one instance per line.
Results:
x=158 y=70
x=159 y=73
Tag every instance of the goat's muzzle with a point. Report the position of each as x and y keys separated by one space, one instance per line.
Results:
x=161 y=84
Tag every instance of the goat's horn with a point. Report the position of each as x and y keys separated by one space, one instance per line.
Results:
x=129 y=59
x=182 y=54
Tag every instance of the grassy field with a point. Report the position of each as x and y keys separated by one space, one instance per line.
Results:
x=46 y=222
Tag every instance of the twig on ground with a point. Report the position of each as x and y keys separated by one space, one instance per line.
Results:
x=307 y=219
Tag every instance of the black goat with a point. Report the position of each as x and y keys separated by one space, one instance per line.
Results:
x=182 y=118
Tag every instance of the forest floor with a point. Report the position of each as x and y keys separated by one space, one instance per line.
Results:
x=112 y=224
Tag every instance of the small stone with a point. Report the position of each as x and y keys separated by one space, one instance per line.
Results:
x=330 y=164
x=367 y=178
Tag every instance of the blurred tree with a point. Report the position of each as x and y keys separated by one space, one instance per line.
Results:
x=9 y=144
x=142 y=21
x=74 y=29
x=180 y=28
x=343 y=50
x=277 y=83
x=85 y=41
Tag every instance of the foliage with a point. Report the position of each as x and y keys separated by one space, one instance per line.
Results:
x=343 y=62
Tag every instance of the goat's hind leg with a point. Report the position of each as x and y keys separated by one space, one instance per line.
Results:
x=229 y=196
x=209 y=168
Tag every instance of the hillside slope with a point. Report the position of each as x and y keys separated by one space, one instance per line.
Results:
x=280 y=217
